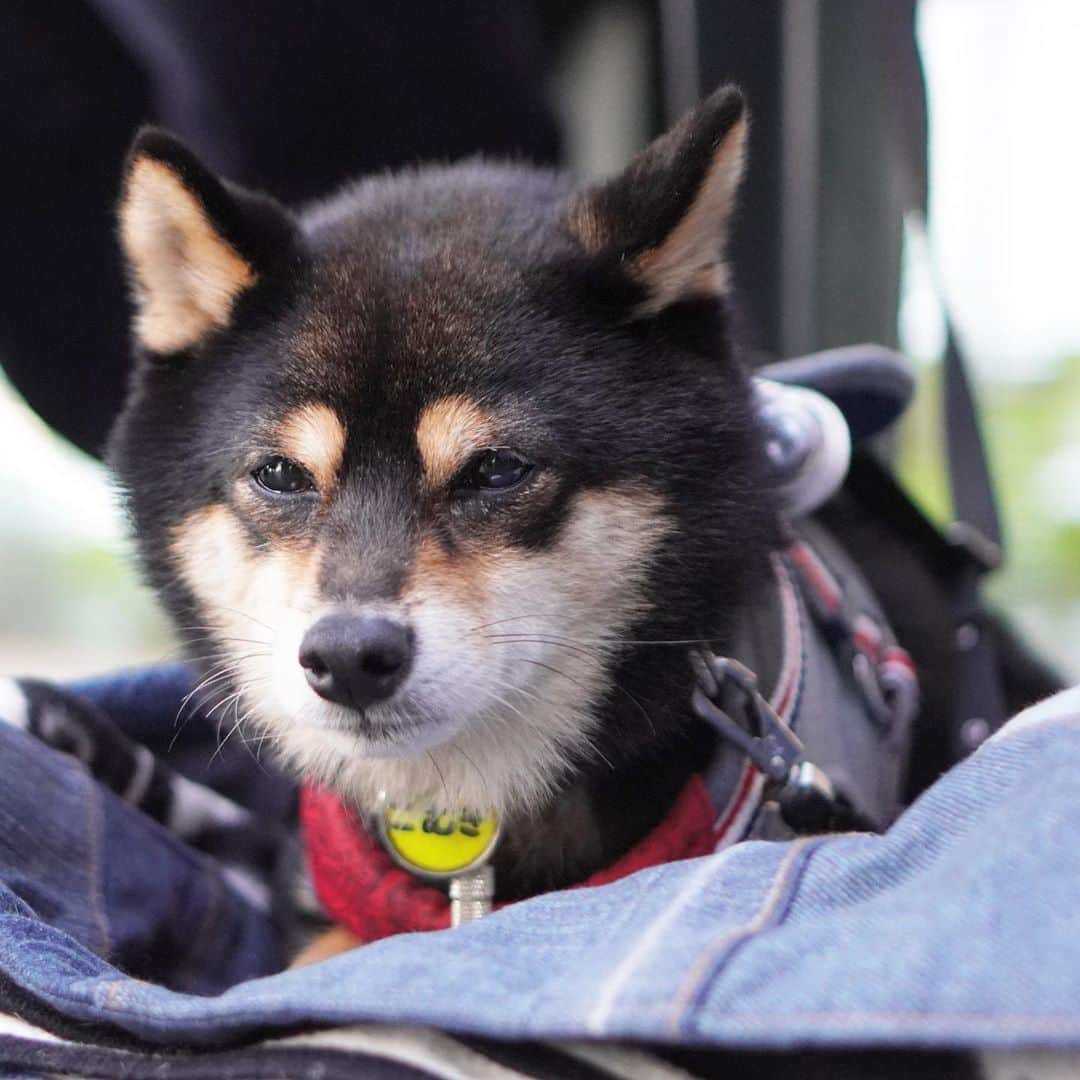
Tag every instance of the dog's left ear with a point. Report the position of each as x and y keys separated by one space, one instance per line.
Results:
x=663 y=222
x=195 y=244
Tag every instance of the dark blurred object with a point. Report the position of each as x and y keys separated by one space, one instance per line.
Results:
x=837 y=156
x=291 y=98
x=69 y=100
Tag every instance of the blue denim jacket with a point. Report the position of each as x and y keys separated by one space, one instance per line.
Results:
x=959 y=927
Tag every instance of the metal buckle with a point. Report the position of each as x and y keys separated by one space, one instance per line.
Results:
x=471 y=895
x=725 y=687
x=868 y=680
x=976 y=544
x=802 y=791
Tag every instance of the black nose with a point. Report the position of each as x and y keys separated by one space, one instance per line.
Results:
x=356 y=660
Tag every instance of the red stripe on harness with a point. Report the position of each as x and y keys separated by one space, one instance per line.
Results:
x=739 y=812
x=901 y=658
x=867 y=636
x=817 y=577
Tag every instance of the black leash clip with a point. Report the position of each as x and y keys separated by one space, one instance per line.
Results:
x=725 y=689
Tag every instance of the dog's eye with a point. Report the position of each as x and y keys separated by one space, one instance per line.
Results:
x=282 y=476
x=496 y=470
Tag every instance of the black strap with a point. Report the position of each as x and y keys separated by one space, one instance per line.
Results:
x=960 y=556
x=977 y=522
x=979 y=701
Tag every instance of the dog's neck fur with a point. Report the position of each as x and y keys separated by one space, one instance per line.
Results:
x=597 y=817
x=628 y=786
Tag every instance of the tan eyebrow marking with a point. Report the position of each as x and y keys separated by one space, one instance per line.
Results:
x=448 y=431
x=314 y=437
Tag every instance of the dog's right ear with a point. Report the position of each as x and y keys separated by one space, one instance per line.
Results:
x=659 y=228
x=195 y=244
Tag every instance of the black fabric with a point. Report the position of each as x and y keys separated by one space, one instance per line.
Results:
x=973 y=499
x=297 y=98
x=70 y=99
x=543 y=1061
x=980 y=705
x=828 y=1065
x=871 y=385
x=255 y=1064
x=973 y=670
x=15 y=1001
x=270 y=1061
x=875 y=487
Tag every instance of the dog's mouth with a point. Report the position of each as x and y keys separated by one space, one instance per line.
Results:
x=392 y=730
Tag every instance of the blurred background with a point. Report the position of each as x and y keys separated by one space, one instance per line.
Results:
x=903 y=154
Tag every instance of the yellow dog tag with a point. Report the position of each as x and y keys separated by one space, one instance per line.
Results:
x=437 y=845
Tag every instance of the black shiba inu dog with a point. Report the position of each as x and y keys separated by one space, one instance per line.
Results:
x=442 y=468
x=444 y=474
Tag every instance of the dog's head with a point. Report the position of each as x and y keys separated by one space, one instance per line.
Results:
x=426 y=469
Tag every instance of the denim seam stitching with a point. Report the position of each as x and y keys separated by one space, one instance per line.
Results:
x=94 y=866
x=599 y=1015
x=206 y=924
x=773 y=907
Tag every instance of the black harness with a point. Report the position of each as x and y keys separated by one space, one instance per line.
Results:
x=835 y=758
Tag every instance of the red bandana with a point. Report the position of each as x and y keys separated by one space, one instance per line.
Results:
x=362 y=888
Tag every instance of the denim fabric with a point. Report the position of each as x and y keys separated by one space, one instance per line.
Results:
x=113 y=881
x=960 y=927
